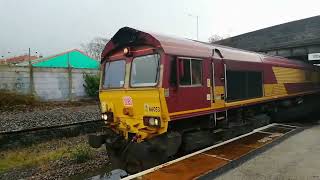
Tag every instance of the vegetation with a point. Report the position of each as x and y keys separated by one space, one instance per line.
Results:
x=214 y=38
x=41 y=154
x=81 y=154
x=95 y=47
x=10 y=99
x=27 y=157
x=91 y=84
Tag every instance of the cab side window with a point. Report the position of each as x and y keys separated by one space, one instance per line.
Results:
x=190 y=72
x=196 y=72
x=173 y=72
x=184 y=72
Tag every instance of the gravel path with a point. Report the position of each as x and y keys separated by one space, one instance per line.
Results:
x=18 y=120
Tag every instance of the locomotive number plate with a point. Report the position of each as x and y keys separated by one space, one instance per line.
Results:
x=150 y=108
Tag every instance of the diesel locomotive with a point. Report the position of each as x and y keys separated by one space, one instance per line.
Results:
x=161 y=96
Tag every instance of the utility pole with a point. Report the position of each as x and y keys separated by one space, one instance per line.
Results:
x=69 y=77
x=29 y=52
x=30 y=73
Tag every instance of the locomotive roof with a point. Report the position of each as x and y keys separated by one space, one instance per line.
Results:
x=186 y=47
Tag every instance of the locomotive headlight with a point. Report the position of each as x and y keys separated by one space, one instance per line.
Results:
x=107 y=116
x=104 y=117
x=151 y=121
x=127 y=51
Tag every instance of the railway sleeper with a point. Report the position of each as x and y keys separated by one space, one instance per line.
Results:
x=259 y=120
x=192 y=141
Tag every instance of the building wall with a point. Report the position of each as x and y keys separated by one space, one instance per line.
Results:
x=49 y=84
x=299 y=33
x=293 y=40
x=77 y=83
x=14 y=79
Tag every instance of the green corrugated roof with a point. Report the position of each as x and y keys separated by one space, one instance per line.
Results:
x=75 y=57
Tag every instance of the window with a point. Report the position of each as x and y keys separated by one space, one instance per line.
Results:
x=196 y=72
x=173 y=72
x=190 y=72
x=145 y=71
x=185 y=72
x=114 y=73
x=244 y=85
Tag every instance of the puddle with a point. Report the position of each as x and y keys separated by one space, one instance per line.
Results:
x=100 y=174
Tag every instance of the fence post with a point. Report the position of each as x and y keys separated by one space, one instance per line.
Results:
x=69 y=78
x=31 y=85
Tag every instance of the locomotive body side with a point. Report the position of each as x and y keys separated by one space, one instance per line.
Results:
x=279 y=79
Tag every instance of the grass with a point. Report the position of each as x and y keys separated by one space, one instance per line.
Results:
x=25 y=158
x=42 y=154
x=10 y=99
x=81 y=154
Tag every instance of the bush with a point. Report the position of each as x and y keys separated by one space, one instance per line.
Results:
x=91 y=84
x=81 y=153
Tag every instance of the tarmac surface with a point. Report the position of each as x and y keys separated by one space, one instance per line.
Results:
x=297 y=157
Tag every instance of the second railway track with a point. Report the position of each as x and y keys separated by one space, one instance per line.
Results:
x=29 y=136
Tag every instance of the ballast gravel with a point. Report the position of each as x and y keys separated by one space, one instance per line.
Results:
x=38 y=118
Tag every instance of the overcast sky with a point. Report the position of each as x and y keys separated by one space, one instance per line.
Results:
x=52 y=26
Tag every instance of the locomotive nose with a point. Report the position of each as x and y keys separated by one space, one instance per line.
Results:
x=133 y=113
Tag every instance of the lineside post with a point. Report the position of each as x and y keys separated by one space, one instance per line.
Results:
x=31 y=84
x=69 y=78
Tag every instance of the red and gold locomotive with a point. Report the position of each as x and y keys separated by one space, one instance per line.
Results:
x=161 y=95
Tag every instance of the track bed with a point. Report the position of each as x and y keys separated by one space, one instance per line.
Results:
x=214 y=160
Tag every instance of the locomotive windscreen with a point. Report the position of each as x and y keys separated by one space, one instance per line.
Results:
x=244 y=85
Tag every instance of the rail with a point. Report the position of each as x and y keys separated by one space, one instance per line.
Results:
x=38 y=134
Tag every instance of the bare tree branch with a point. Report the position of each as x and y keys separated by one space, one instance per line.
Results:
x=95 y=47
x=216 y=37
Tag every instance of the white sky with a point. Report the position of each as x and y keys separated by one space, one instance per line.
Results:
x=52 y=26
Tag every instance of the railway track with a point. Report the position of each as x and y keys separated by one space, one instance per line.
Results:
x=40 y=134
x=212 y=161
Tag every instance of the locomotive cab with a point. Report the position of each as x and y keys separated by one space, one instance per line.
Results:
x=133 y=102
x=131 y=95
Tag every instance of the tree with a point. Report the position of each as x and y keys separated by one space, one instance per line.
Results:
x=216 y=37
x=95 y=47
